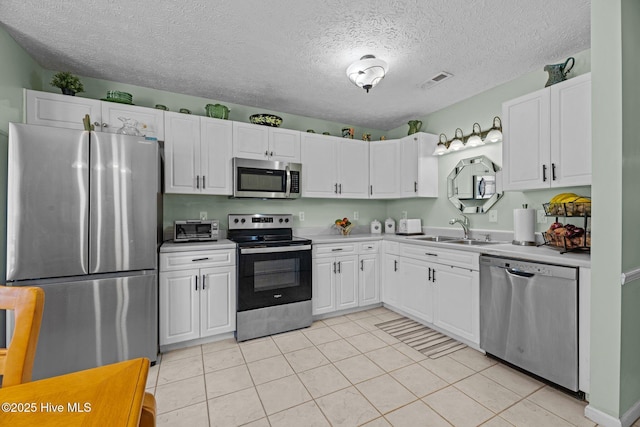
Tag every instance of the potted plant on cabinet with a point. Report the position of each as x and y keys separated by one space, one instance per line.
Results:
x=67 y=82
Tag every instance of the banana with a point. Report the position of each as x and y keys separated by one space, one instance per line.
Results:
x=559 y=198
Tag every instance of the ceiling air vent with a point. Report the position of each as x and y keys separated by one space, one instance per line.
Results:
x=438 y=78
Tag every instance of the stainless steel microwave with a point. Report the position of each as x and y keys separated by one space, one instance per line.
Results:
x=266 y=179
x=195 y=230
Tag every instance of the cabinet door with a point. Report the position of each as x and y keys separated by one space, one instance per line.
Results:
x=391 y=283
x=250 y=141
x=284 y=145
x=182 y=154
x=216 y=146
x=416 y=296
x=456 y=301
x=409 y=166
x=525 y=148
x=217 y=300
x=319 y=174
x=427 y=165
x=353 y=169
x=61 y=111
x=369 y=280
x=323 y=282
x=179 y=313
x=571 y=132
x=150 y=122
x=384 y=169
x=347 y=282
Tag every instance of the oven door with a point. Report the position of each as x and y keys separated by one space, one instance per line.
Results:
x=269 y=276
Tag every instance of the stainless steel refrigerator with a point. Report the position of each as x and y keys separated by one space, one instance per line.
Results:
x=82 y=224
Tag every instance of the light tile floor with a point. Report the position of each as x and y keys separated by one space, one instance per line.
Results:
x=344 y=371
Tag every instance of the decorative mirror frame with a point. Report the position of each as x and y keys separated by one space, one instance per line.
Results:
x=478 y=203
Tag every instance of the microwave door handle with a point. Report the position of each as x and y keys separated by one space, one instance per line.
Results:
x=288 y=172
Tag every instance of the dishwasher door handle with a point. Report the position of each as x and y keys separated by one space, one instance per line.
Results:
x=517 y=272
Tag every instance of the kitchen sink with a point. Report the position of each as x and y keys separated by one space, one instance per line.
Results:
x=472 y=242
x=436 y=238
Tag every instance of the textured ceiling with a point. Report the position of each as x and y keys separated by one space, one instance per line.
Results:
x=291 y=55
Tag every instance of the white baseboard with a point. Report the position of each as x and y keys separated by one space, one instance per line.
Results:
x=631 y=415
x=600 y=418
x=607 y=420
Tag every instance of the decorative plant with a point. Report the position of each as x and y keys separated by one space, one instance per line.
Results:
x=67 y=82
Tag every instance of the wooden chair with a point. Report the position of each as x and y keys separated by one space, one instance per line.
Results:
x=148 y=415
x=16 y=361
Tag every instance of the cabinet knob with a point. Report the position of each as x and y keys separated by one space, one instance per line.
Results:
x=104 y=125
x=97 y=124
x=271 y=154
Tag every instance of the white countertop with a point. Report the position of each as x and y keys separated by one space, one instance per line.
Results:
x=171 y=246
x=530 y=253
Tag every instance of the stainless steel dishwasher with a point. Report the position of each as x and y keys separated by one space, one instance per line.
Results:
x=529 y=317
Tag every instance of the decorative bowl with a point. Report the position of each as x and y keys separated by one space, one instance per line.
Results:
x=266 y=120
x=117 y=96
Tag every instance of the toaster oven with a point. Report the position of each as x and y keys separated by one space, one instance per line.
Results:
x=196 y=230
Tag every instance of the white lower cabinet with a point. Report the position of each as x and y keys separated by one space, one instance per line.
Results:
x=436 y=293
x=345 y=276
x=456 y=301
x=197 y=300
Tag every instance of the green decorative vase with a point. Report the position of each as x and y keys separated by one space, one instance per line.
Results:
x=217 y=111
x=414 y=126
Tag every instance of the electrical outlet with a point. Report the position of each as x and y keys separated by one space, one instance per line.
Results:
x=356 y=215
x=301 y=216
x=493 y=216
x=404 y=214
x=203 y=216
x=542 y=218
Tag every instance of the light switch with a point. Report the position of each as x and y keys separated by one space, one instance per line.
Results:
x=542 y=218
x=493 y=215
x=356 y=215
x=301 y=215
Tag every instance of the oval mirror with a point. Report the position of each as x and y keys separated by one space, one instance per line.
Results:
x=471 y=185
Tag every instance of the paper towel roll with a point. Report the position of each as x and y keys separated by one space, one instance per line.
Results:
x=524 y=226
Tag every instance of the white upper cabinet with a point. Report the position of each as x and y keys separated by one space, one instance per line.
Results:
x=404 y=167
x=265 y=143
x=197 y=155
x=149 y=121
x=52 y=109
x=547 y=137
x=63 y=111
x=384 y=169
x=334 y=167
x=419 y=171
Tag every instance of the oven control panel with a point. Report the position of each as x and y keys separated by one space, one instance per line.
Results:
x=257 y=221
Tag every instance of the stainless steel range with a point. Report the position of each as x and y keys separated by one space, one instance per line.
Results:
x=274 y=275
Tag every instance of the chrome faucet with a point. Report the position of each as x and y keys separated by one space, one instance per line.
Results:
x=464 y=222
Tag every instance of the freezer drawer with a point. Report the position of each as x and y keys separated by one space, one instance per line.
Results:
x=529 y=317
x=91 y=323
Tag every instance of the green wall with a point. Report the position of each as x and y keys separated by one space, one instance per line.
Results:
x=606 y=86
x=630 y=231
x=17 y=71
x=481 y=108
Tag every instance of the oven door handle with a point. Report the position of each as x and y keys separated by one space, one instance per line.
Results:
x=275 y=249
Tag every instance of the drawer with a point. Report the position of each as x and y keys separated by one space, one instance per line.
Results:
x=335 y=249
x=369 y=247
x=391 y=247
x=464 y=259
x=197 y=259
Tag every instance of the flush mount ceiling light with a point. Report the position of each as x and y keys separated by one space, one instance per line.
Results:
x=367 y=72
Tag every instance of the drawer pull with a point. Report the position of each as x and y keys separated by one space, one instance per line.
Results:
x=336 y=249
x=199 y=259
x=430 y=254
